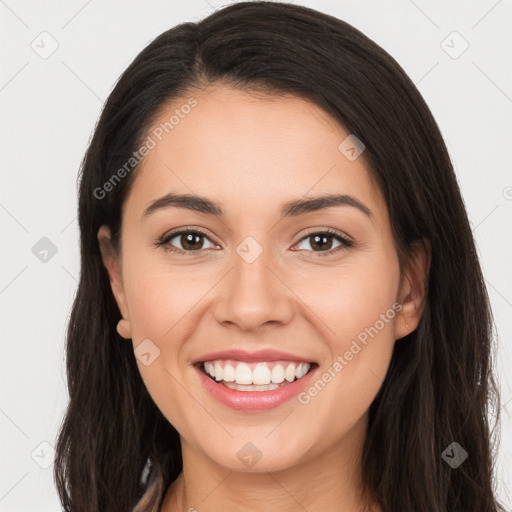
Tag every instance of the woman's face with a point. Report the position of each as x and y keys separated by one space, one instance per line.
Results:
x=264 y=277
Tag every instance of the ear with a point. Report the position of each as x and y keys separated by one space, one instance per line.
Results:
x=112 y=262
x=412 y=288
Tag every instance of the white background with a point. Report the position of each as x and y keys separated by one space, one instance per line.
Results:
x=48 y=111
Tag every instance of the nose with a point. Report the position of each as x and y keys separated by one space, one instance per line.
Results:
x=253 y=294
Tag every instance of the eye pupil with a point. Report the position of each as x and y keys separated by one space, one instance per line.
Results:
x=318 y=240
x=190 y=239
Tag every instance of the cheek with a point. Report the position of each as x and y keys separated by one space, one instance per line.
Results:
x=161 y=303
x=352 y=297
x=160 y=295
x=360 y=313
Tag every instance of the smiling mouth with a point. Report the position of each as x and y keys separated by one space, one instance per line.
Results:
x=261 y=376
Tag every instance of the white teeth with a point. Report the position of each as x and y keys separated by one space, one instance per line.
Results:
x=245 y=387
x=218 y=371
x=289 y=374
x=243 y=374
x=277 y=374
x=210 y=369
x=229 y=373
x=301 y=370
x=262 y=376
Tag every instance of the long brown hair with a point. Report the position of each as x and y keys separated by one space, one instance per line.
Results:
x=440 y=384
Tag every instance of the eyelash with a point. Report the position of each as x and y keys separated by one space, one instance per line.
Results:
x=165 y=239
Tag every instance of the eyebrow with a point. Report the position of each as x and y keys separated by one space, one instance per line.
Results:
x=289 y=209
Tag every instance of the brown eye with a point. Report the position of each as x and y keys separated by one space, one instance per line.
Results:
x=191 y=241
x=323 y=242
x=185 y=241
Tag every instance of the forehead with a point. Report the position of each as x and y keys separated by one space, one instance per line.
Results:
x=248 y=152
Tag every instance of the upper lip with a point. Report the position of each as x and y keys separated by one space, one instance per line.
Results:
x=251 y=357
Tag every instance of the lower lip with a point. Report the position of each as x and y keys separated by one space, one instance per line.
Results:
x=254 y=400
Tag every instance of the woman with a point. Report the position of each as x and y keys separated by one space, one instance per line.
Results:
x=280 y=301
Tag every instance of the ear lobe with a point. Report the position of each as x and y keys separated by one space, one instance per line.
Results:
x=112 y=263
x=124 y=328
x=412 y=294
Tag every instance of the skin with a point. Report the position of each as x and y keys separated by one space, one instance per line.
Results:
x=250 y=154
